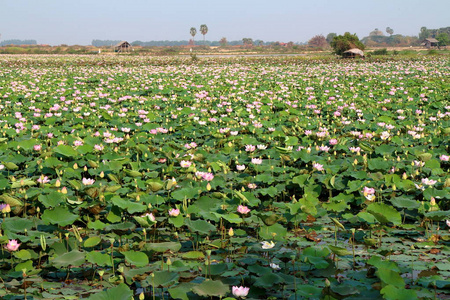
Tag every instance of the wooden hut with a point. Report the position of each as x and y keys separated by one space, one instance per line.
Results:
x=123 y=46
x=430 y=43
x=352 y=53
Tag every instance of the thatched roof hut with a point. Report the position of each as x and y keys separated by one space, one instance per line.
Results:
x=353 y=53
x=430 y=42
x=123 y=46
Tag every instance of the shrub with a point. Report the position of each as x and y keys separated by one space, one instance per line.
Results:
x=342 y=43
x=380 y=52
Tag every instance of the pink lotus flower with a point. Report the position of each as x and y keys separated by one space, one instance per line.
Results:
x=87 y=181
x=257 y=161
x=251 y=186
x=240 y=167
x=368 y=191
x=240 y=291
x=37 y=147
x=174 y=212
x=12 y=245
x=5 y=208
x=354 y=149
x=243 y=209
x=150 y=217
x=185 y=163
x=208 y=176
x=333 y=141
x=444 y=157
x=427 y=181
x=43 y=179
x=318 y=166
x=250 y=148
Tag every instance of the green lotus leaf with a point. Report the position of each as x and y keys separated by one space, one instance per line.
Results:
x=163 y=279
x=139 y=259
x=120 y=292
x=385 y=213
x=59 y=216
x=339 y=250
x=193 y=255
x=211 y=288
x=392 y=292
x=73 y=258
x=100 y=259
x=92 y=241
x=200 y=226
x=66 y=151
x=163 y=247
x=53 y=199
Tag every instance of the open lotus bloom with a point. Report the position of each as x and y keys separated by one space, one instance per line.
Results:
x=12 y=245
x=267 y=245
x=240 y=291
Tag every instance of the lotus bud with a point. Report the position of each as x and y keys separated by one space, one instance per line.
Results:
x=85 y=168
x=208 y=187
x=102 y=174
x=138 y=198
x=75 y=166
x=231 y=232
x=64 y=190
x=404 y=176
x=141 y=296
x=432 y=201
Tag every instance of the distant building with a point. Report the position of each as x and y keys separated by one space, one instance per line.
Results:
x=430 y=42
x=123 y=46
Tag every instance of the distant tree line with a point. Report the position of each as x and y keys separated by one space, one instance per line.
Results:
x=441 y=34
x=18 y=42
x=222 y=42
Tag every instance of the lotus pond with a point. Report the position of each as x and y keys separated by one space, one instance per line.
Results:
x=151 y=178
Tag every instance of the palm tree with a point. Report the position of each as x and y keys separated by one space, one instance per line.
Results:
x=193 y=32
x=203 y=30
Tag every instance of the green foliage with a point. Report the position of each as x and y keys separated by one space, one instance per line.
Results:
x=342 y=43
x=149 y=177
x=380 y=52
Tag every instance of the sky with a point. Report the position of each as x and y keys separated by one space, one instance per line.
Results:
x=78 y=22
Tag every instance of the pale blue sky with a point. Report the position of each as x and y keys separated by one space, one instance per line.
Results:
x=80 y=21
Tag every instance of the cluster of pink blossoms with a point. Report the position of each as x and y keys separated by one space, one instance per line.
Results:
x=205 y=175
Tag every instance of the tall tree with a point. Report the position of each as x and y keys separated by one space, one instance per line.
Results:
x=424 y=33
x=443 y=38
x=204 y=31
x=223 y=42
x=330 y=37
x=389 y=30
x=247 y=41
x=376 y=32
x=193 y=32
x=318 y=41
